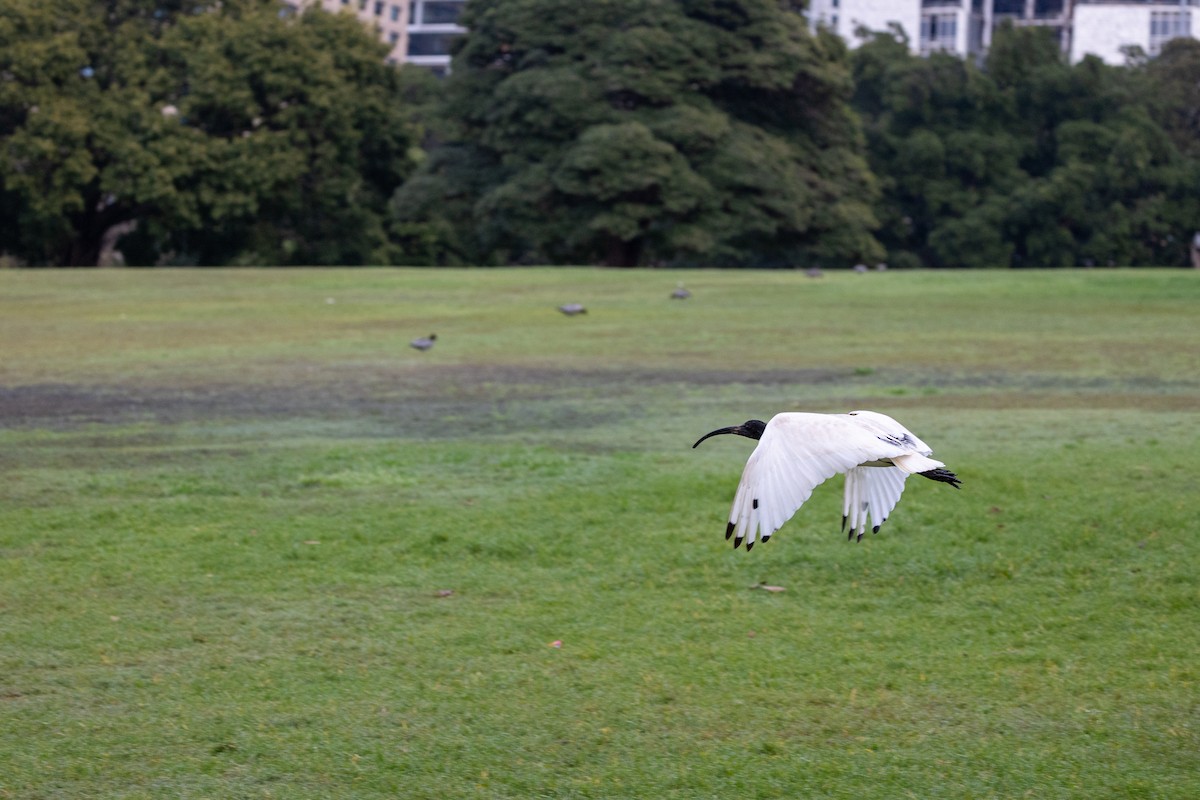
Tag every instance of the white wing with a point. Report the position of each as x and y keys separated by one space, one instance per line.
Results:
x=798 y=452
x=873 y=492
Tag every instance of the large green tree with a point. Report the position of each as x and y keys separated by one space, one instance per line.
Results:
x=1027 y=161
x=211 y=132
x=630 y=132
x=938 y=139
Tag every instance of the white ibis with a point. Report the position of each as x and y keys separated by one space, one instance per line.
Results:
x=797 y=452
x=680 y=293
x=424 y=343
x=571 y=309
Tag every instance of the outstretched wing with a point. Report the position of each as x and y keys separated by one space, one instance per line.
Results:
x=870 y=492
x=798 y=452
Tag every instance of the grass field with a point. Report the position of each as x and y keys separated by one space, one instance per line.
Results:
x=252 y=545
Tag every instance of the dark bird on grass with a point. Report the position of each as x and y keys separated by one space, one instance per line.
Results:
x=680 y=293
x=797 y=452
x=571 y=309
x=424 y=343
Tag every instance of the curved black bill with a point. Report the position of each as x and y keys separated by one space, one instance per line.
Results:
x=734 y=429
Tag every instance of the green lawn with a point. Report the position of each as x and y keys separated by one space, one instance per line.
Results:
x=252 y=545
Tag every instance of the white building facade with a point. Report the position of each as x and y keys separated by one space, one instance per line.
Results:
x=418 y=31
x=1108 y=30
x=845 y=17
x=1104 y=28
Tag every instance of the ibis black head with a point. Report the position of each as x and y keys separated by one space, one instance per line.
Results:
x=751 y=429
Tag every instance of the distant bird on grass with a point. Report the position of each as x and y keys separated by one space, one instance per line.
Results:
x=814 y=272
x=571 y=309
x=796 y=452
x=680 y=293
x=424 y=343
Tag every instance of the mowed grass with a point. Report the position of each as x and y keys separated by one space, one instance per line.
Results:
x=252 y=545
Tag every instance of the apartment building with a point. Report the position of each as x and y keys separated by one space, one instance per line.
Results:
x=1105 y=28
x=1110 y=30
x=422 y=31
x=419 y=31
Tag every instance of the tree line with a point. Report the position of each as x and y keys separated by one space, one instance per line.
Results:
x=624 y=133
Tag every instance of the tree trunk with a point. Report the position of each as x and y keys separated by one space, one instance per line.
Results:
x=96 y=234
x=109 y=255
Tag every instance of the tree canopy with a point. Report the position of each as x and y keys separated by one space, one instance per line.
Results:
x=1027 y=160
x=618 y=132
x=645 y=131
x=200 y=132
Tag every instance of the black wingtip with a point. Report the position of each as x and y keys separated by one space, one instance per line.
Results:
x=738 y=542
x=859 y=539
x=875 y=529
x=729 y=531
x=766 y=538
x=844 y=518
x=749 y=546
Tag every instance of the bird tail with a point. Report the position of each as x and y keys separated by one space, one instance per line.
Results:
x=914 y=463
x=943 y=475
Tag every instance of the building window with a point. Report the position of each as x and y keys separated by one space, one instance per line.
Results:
x=393 y=37
x=379 y=4
x=938 y=32
x=395 y=13
x=441 y=12
x=431 y=44
x=1168 y=25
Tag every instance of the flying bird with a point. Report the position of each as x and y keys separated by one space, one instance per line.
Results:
x=571 y=309
x=796 y=452
x=424 y=343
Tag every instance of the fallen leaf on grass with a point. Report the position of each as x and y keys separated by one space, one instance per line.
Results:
x=766 y=587
x=312 y=541
x=557 y=643
x=443 y=593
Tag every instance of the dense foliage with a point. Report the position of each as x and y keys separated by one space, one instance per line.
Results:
x=1029 y=161
x=202 y=132
x=623 y=132
x=704 y=132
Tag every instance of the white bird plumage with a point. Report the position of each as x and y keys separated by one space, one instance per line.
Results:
x=797 y=452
